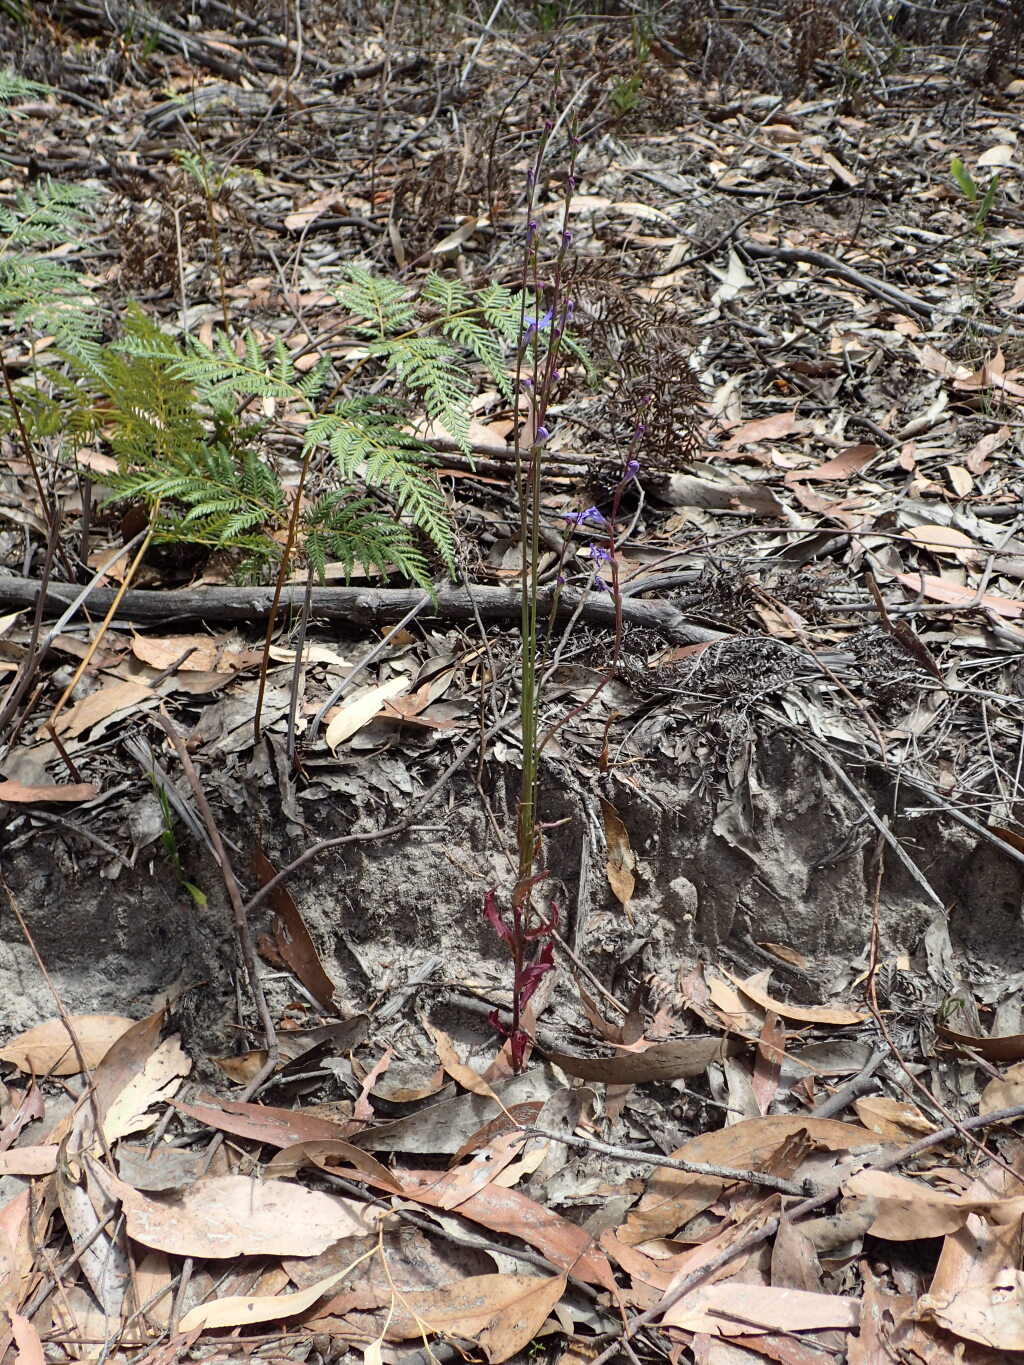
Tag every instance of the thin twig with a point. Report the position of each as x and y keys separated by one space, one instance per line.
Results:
x=583 y=1144
x=238 y=910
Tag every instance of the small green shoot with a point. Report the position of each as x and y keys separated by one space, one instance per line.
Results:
x=170 y=845
x=982 y=200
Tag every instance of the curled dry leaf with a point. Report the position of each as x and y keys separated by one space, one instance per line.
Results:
x=661 y=1062
x=910 y=1209
x=47 y=1049
x=293 y=940
x=801 y=1014
x=318 y=1155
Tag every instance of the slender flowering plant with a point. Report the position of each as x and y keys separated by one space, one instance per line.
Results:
x=525 y=931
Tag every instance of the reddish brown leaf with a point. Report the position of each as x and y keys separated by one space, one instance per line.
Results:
x=292 y=937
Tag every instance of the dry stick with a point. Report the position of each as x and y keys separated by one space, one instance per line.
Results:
x=761 y=1234
x=238 y=910
x=765 y=1178
x=831 y=265
x=364 y=606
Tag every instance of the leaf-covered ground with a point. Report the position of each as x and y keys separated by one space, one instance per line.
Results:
x=772 y=1104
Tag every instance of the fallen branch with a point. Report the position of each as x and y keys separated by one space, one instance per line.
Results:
x=360 y=606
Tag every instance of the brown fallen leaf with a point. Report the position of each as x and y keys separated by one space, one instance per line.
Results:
x=261 y=1122
x=621 y=862
x=26 y=1338
x=566 y=1245
x=1007 y=1047
x=64 y=792
x=131 y=1111
x=661 y=1062
x=319 y=1155
x=48 y=1049
x=39 y=1159
x=1004 y=1093
x=292 y=939
x=849 y=461
x=895 y=1120
x=945 y=590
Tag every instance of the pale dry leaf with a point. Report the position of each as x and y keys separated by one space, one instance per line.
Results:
x=37 y=1160
x=101 y=705
x=895 y=1119
x=16 y=792
x=991 y=1314
x=237 y=1310
x=1005 y=1093
x=910 y=1209
x=731 y=1308
x=158 y=1080
x=354 y=714
x=944 y=590
x=226 y=1216
x=26 y=1338
x=674 y=1197
x=47 y=1048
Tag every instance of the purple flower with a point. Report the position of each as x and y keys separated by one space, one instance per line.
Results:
x=631 y=470
x=590 y=516
x=601 y=554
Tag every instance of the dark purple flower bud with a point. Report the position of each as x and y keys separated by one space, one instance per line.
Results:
x=631 y=471
x=542 y=434
x=569 y=308
x=548 y=125
x=556 y=375
x=570 y=181
x=566 y=238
